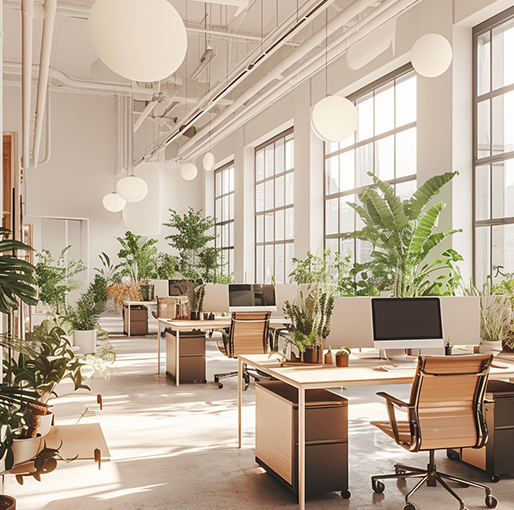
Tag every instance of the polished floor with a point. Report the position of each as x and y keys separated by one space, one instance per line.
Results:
x=176 y=448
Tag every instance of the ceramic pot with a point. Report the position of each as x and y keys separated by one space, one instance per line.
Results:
x=342 y=361
x=45 y=424
x=195 y=316
x=147 y=291
x=490 y=347
x=7 y=503
x=311 y=355
x=85 y=341
x=25 y=449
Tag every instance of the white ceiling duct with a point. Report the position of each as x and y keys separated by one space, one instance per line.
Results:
x=240 y=4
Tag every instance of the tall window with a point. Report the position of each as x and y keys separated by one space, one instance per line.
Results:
x=494 y=145
x=224 y=216
x=274 y=213
x=384 y=144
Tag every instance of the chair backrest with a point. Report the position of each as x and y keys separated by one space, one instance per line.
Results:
x=447 y=397
x=167 y=307
x=248 y=333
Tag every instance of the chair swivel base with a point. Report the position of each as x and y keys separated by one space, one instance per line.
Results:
x=246 y=377
x=431 y=476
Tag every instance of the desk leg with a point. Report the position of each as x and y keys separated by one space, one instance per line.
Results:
x=301 y=448
x=128 y=320
x=159 y=346
x=177 y=352
x=239 y=399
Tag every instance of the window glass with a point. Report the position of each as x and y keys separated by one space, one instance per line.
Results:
x=384 y=109
x=406 y=153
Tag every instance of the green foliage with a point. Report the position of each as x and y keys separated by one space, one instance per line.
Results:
x=56 y=278
x=139 y=255
x=167 y=265
x=197 y=261
x=198 y=296
x=108 y=271
x=84 y=317
x=16 y=275
x=53 y=362
x=402 y=233
x=99 y=289
x=343 y=351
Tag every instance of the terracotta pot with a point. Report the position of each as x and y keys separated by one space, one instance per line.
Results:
x=342 y=361
x=195 y=316
x=311 y=355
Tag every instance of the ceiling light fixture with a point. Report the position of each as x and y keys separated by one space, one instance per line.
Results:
x=431 y=55
x=189 y=171
x=141 y=40
x=333 y=118
x=132 y=188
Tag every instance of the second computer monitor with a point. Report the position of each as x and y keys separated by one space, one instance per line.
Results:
x=251 y=297
x=407 y=323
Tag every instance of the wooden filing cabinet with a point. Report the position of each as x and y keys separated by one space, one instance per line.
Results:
x=138 y=320
x=191 y=356
x=497 y=456
x=326 y=436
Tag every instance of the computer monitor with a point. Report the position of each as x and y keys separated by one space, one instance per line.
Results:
x=251 y=298
x=406 y=323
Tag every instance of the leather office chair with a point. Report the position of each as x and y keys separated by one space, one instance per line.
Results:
x=247 y=335
x=445 y=411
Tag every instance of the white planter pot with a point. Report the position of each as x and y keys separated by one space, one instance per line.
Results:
x=45 y=424
x=490 y=347
x=85 y=341
x=25 y=449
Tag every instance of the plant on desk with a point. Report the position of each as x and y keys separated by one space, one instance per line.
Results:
x=342 y=356
x=310 y=317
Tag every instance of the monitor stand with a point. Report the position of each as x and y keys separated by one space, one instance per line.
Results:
x=395 y=356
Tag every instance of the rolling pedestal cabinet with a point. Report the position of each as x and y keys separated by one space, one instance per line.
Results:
x=497 y=456
x=138 y=318
x=191 y=356
x=326 y=437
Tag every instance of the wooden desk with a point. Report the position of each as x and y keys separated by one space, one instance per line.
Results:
x=363 y=372
x=202 y=325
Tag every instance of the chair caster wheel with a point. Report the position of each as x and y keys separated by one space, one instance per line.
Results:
x=399 y=471
x=220 y=385
x=346 y=494
x=378 y=487
x=491 y=501
x=495 y=478
x=463 y=485
x=409 y=506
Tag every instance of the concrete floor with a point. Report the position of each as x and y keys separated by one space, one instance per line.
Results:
x=176 y=448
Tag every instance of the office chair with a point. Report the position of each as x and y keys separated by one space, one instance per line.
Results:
x=445 y=411
x=247 y=335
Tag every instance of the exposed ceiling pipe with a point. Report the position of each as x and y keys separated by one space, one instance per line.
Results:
x=48 y=138
x=295 y=56
x=27 y=11
x=248 y=67
x=313 y=65
x=44 y=67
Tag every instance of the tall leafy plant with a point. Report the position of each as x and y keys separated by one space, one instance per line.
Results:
x=139 y=257
x=197 y=260
x=403 y=233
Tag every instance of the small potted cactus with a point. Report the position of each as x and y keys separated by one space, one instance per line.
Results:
x=342 y=356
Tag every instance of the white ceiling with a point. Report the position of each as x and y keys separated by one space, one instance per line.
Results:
x=237 y=41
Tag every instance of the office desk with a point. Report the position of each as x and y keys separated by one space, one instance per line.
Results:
x=363 y=372
x=201 y=325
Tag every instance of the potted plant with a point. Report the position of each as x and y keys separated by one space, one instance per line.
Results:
x=84 y=321
x=342 y=356
x=197 y=304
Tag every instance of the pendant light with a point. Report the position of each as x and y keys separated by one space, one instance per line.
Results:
x=431 y=55
x=141 y=40
x=112 y=201
x=334 y=118
x=189 y=171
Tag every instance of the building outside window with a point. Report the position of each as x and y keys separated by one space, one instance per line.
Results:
x=384 y=144
x=224 y=216
x=274 y=212
x=493 y=147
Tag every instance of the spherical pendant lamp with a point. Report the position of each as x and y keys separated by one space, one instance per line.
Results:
x=334 y=118
x=141 y=40
x=189 y=171
x=209 y=160
x=431 y=55
x=132 y=188
x=113 y=202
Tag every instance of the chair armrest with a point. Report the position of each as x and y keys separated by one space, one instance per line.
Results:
x=391 y=402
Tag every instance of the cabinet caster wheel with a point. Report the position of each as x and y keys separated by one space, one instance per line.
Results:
x=346 y=494
x=220 y=385
x=378 y=487
x=495 y=478
x=399 y=471
x=491 y=501
x=463 y=485
x=452 y=455
x=409 y=506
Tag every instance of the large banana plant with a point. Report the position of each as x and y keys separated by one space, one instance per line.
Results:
x=16 y=275
x=403 y=233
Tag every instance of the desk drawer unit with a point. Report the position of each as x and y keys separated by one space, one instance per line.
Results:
x=191 y=356
x=138 y=320
x=326 y=435
x=497 y=456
